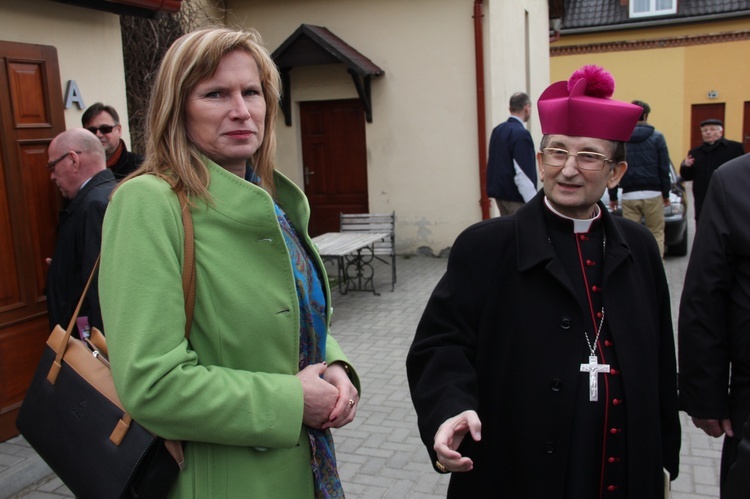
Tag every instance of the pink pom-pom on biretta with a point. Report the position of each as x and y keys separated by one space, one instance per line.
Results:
x=599 y=82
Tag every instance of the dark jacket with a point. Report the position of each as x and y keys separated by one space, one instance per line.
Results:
x=714 y=321
x=648 y=163
x=503 y=334
x=126 y=164
x=737 y=484
x=510 y=140
x=708 y=157
x=78 y=242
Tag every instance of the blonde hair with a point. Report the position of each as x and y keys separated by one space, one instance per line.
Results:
x=192 y=59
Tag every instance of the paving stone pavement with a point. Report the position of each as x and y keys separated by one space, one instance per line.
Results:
x=380 y=454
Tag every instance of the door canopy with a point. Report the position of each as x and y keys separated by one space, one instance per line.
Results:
x=140 y=8
x=312 y=45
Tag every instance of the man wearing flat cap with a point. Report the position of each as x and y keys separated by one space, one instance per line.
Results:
x=702 y=161
x=544 y=363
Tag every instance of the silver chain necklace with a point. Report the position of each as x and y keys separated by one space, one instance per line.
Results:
x=593 y=367
x=592 y=347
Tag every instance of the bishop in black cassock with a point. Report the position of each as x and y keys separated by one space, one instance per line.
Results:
x=544 y=363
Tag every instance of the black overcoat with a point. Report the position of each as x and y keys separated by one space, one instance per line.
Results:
x=79 y=241
x=714 y=325
x=503 y=333
x=708 y=157
x=127 y=163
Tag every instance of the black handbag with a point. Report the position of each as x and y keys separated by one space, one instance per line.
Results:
x=73 y=419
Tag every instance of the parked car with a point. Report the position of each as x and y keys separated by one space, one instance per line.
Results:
x=675 y=215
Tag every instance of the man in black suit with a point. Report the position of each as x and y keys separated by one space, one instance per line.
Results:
x=77 y=166
x=713 y=327
x=511 y=169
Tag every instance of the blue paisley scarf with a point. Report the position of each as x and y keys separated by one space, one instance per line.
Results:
x=312 y=349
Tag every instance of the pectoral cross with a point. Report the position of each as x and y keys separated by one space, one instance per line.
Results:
x=594 y=368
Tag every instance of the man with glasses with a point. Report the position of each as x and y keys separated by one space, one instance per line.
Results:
x=544 y=362
x=702 y=161
x=104 y=122
x=77 y=166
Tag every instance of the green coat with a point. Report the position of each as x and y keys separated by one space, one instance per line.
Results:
x=232 y=393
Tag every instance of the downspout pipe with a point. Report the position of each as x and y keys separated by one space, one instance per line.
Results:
x=484 y=201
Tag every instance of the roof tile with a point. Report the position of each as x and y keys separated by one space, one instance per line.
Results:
x=593 y=13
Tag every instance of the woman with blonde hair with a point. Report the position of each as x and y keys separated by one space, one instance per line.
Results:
x=257 y=388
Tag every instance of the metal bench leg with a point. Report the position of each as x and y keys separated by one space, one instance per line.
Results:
x=343 y=284
x=359 y=273
x=393 y=273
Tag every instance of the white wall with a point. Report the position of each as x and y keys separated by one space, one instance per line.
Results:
x=518 y=57
x=422 y=144
x=89 y=49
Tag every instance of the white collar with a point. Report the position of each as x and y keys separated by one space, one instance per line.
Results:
x=579 y=226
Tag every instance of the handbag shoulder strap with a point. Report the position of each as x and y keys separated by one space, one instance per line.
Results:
x=80 y=300
x=188 y=278
x=188 y=283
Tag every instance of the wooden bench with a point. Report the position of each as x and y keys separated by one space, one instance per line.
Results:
x=376 y=222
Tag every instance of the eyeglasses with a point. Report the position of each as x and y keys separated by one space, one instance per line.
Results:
x=52 y=164
x=105 y=129
x=591 y=161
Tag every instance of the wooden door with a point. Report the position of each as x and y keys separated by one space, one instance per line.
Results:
x=31 y=114
x=334 y=160
x=700 y=112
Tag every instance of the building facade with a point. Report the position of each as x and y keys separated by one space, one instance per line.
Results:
x=396 y=118
x=685 y=58
x=419 y=154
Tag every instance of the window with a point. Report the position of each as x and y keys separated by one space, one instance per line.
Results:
x=645 y=8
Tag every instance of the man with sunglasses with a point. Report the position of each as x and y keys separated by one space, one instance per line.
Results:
x=77 y=166
x=104 y=122
x=544 y=363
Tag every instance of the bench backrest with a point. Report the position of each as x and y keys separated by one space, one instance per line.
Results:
x=373 y=222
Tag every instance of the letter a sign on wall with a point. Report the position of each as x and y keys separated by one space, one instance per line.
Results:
x=73 y=96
